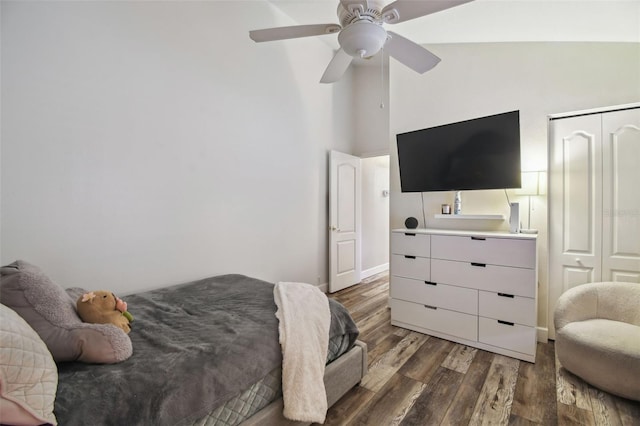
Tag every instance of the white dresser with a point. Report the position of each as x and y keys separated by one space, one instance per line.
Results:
x=474 y=288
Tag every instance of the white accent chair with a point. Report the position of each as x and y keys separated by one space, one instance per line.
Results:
x=598 y=335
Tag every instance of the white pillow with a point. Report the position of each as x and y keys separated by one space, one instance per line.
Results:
x=28 y=374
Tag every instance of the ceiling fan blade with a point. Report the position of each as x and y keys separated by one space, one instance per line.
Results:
x=409 y=53
x=336 y=68
x=404 y=10
x=296 y=31
x=353 y=5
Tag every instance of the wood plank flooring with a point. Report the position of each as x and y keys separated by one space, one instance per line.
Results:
x=415 y=379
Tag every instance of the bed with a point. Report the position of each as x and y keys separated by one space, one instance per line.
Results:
x=201 y=353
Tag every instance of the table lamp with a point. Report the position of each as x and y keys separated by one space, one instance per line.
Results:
x=533 y=183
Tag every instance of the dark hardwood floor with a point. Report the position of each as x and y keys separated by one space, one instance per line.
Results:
x=415 y=379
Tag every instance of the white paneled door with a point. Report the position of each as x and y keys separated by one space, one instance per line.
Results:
x=344 y=221
x=594 y=200
x=575 y=199
x=621 y=196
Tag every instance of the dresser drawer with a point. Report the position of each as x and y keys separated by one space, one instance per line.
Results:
x=439 y=295
x=499 y=279
x=411 y=244
x=440 y=320
x=494 y=251
x=407 y=266
x=514 y=337
x=501 y=306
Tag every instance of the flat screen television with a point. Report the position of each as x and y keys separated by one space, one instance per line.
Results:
x=481 y=153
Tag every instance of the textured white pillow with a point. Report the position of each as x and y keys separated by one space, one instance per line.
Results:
x=28 y=374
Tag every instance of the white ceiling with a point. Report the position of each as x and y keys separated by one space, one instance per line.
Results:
x=499 y=20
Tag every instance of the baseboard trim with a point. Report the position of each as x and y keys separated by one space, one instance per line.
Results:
x=363 y=275
x=375 y=270
x=542 y=334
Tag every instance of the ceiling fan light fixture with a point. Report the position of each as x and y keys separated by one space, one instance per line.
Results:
x=362 y=35
x=362 y=39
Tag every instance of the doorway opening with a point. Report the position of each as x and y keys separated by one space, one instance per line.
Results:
x=375 y=215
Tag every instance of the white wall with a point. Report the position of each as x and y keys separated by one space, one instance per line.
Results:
x=151 y=143
x=371 y=102
x=375 y=215
x=480 y=79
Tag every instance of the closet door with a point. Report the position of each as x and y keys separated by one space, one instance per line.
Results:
x=621 y=196
x=575 y=205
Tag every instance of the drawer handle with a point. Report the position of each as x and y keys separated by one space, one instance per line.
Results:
x=481 y=265
x=506 y=323
x=430 y=283
x=506 y=295
x=409 y=234
x=409 y=257
x=478 y=238
x=430 y=307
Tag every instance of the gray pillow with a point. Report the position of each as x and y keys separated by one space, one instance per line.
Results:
x=51 y=312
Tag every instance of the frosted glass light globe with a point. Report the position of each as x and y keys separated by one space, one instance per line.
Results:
x=362 y=39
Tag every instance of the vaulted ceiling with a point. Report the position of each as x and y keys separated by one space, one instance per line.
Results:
x=499 y=20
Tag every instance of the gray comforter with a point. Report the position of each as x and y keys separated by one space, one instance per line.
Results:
x=195 y=346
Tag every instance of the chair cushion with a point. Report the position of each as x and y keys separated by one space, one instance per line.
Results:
x=604 y=353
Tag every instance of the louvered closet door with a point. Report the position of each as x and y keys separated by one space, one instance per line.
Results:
x=575 y=205
x=621 y=196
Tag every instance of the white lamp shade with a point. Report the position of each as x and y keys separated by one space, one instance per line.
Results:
x=533 y=183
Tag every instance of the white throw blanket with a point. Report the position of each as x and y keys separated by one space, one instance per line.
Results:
x=305 y=318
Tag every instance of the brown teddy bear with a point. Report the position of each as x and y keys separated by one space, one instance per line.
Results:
x=103 y=307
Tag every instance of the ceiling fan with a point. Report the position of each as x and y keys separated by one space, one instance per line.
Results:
x=361 y=33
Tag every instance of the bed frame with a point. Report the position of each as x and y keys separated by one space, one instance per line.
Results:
x=339 y=377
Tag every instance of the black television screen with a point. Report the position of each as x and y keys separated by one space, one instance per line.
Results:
x=482 y=153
